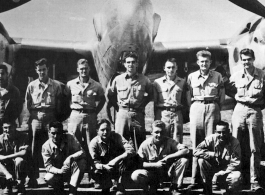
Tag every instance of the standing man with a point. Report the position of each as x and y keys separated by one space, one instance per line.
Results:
x=112 y=155
x=131 y=91
x=219 y=157
x=14 y=158
x=86 y=101
x=168 y=100
x=10 y=103
x=64 y=159
x=206 y=95
x=162 y=157
x=247 y=87
x=43 y=101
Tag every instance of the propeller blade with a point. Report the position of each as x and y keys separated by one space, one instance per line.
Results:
x=6 y=5
x=251 y=5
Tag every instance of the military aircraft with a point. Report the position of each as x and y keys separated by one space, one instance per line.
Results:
x=120 y=26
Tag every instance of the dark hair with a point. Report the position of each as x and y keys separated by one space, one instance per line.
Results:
x=204 y=53
x=101 y=121
x=130 y=54
x=82 y=62
x=223 y=123
x=3 y=67
x=40 y=62
x=173 y=60
x=56 y=124
x=247 y=52
x=158 y=123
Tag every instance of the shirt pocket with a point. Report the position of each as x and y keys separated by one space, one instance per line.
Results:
x=257 y=88
x=90 y=96
x=163 y=93
x=36 y=97
x=196 y=89
x=77 y=96
x=122 y=92
x=212 y=89
x=139 y=91
x=50 y=98
x=241 y=89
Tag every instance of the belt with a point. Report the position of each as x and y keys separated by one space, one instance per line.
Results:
x=171 y=109
x=206 y=101
x=86 y=111
x=250 y=105
x=43 y=109
x=131 y=109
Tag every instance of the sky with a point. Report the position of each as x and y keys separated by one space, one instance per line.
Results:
x=72 y=20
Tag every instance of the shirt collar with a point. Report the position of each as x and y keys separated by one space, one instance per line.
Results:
x=256 y=73
x=78 y=80
x=164 y=78
x=209 y=74
x=48 y=83
x=63 y=143
x=134 y=76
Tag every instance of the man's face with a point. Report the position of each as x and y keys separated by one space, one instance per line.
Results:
x=83 y=70
x=131 y=65
x=104 y=131
x=56 y=135
x=158 y=134
x=8 y=130
x=204 y=63
x=42 y=71
x=247 y=61
x=170 y=68
x=3 y=76
x=223 y=133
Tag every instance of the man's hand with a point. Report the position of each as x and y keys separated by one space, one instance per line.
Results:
x=111 y=163
x=108 y=167
x=63 y=170
x=160 y=164
x=68 y=160
x=9 y=177
x=165 y=159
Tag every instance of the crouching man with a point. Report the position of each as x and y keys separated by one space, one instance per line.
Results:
x=112 y=156
x=162 y=157
x=219 y=158
x=64 y=159
x=14 y=158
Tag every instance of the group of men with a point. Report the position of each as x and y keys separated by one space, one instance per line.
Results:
x=108 y=155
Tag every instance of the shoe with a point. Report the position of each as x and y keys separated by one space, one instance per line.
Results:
x=32 y=183
x=114 y=188
x=174 y=189
x=120 y=189
x=255 y=187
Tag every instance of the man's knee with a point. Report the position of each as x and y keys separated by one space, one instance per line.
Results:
x=82 y=164
x=140 y=176
x=234 y=179
x=184 y=161
x=201 y=162
x=19 y=161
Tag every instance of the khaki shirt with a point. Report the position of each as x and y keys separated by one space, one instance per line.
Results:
x=84 y=96
x=148 y=151
x=54 y=156
x=102 y=152
x=169 y=93
x=43 y=96
x=228 y=156
x=246 y=88
x=131 y=92
x=208 y=87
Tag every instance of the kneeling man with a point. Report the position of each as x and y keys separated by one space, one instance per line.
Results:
x=64 y=159
x=111 y=154
x=162 y=156
x=219 y=157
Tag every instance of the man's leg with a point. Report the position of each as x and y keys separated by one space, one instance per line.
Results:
x=177 y=170
x=178 y=127
x=145 y=178
x=207 y=172
x=6 y=169
x=234 y=180
x=21 y=173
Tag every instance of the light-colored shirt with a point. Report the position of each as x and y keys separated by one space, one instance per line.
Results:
x=169 y=93
x=208 y=87
x=246 y=88
x=149 y=153
x=102 y=152
x=54 y=156
x=84 y=95
x=134 y=92
x=228 y=156
x=40 y=95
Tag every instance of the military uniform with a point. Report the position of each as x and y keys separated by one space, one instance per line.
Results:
x=168 y=102
x=83 y=118
x=133 y=94
x=149 y=153
x=207 y=94
x=54 y=157
x=42 y=102
x=214 y=157
x=247 y=122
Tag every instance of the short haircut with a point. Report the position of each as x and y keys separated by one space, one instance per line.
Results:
x=102 y=121
x=158 y=123
x=40 y=62
x=204 y=53
x=3 y=67
x=173 y=60
x=82 y=61
x=223 y=123
x=130 y=54
x=56 y=124
x=247 y=52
